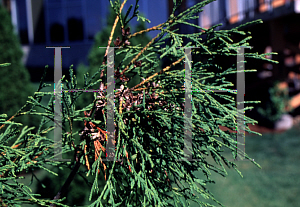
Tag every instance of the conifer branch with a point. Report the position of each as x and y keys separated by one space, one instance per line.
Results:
x=139 y=54
x=152 y=76
x=157 y=27
x=121 y=104
x=148 y=136
x=160 y=72
x=67 y=183
x=113 y=28
x=10 y=119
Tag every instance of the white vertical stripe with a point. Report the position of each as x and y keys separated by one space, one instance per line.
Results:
x=297 y=6
x=14 y=16
x=205 y=16
x=228 y=2
x=29 y=22
x=241 y=9
x=215 y=12
x=269 y=5
x=84 y=20
x=208 y=20
x=47 y=24
x=200 y=17
x=251 y=7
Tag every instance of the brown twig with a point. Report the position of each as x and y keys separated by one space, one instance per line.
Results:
x=139 y=54
x=13 y=147
x=120 y=107
x=157 y=27
x=163 y=70
x=113 y=28
x=143 y=50
x=149 y=78
x=8 y=120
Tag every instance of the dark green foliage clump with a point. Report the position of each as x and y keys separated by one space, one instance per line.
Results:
x=275 y=106
x=15 y=85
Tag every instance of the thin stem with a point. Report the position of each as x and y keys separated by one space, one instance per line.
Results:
x=66 y=185
x=140 y=53
x=163 y=70
x=15 y=146
x=157 y=27
x=9 y=120
x=114 y=27
x=120 y=107
x=149 y=78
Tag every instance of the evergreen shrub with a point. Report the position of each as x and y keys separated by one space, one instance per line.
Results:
x=149 y=123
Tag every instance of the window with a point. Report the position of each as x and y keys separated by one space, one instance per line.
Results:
x=74 y=16
x=56 y=32
x=75 y=29
x=55 y=23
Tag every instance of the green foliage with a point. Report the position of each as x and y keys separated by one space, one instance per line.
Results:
x=100 y=40
x=279 y=153
x=149 y=123
x=15 y=85
x=275 y=107
x=23 y=152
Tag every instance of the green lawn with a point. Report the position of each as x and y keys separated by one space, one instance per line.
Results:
x=275 y=185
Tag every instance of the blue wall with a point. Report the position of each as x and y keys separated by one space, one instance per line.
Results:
x=91 y=14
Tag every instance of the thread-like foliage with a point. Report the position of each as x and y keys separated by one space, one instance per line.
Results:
x=149 y=122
